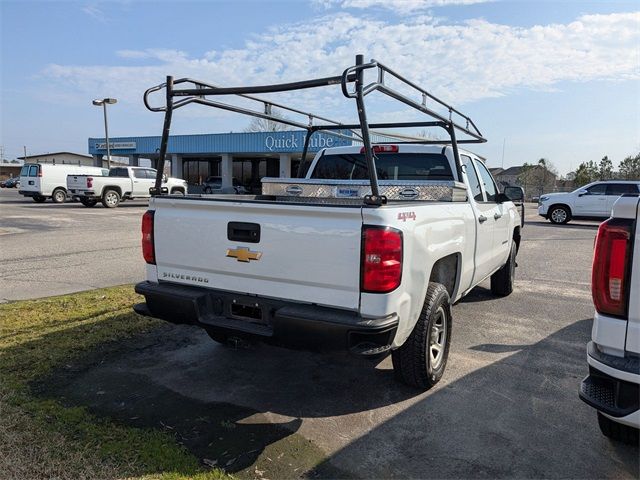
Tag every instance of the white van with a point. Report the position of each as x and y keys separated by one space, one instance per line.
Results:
x=44 y=180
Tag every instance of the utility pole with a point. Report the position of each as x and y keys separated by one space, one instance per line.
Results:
x=24 y=148
x=504 y=141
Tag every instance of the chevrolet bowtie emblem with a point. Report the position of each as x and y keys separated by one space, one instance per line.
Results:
x=243 y=254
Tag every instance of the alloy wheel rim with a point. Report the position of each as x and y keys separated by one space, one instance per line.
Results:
x=559 y=215
x=437 y=338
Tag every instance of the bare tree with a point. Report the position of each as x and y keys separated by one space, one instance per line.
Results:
x=266 y=125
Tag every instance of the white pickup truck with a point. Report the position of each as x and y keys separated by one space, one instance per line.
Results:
x=307 y=264
x=613 y=384
x=122 y=183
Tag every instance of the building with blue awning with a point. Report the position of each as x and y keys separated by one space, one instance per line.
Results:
x=247 y=157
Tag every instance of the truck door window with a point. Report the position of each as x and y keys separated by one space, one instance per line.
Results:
x=33 y=171
x=390 y=166
x=118 y=172
x=487 y=181
x=24 y=171
x=140 y=173
x=474 y=183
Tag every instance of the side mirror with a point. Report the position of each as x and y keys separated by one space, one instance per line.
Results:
x=582 y=192
x=515 y=194
x=164 y=179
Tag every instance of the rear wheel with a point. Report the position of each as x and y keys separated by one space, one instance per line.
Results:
x=207 y=190
x=177 y=191
x=617 y=431
x=421 y=360
x=559 y=214
x=88 y=202
x=58 y=195
x=39 y=199
x=111 y=199
x=502 y=280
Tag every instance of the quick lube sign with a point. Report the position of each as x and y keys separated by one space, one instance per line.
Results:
x=294 y=141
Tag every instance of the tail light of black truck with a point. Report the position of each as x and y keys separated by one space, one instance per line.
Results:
x=610 y=272
x=381 y=262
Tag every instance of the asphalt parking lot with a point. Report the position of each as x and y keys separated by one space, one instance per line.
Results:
x=506 y=407
x=50 y=249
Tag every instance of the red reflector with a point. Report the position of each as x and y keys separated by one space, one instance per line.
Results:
x=610 y=263
x=148 y=249
x=39 y=171
x=89 y=182
x=383 y=149
x=381 y=259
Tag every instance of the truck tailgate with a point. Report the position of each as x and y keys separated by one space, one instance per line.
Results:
x=77 y=182
x=304 y=253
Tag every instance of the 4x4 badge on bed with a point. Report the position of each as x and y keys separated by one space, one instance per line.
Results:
x=243 y=254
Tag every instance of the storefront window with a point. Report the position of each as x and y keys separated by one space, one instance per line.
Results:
x=196 y=170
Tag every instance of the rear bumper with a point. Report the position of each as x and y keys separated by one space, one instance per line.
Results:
x=612 y=386
x=270 y=320
x=30 y=193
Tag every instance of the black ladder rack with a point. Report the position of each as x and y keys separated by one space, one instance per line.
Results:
x=351 y=77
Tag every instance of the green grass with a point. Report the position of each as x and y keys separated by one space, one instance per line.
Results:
x=41 y=438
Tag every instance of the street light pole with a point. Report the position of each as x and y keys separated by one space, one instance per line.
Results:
x=104 y=103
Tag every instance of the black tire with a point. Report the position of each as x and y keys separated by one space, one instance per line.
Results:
x=88 y=202
x=502 y=280
x=413 y=362
x=39 y=199
x=111 y=198
x=618 y=432
x=177 y=191
x=207 y=190
x=559 y=214
x=59 y=195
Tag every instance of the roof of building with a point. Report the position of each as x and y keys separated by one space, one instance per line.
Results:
x=496 y=171
x=54 y=153
x=512 y=171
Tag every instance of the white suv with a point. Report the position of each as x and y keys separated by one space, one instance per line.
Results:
x=591 y=201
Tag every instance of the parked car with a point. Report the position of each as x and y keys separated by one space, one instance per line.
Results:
x=119 y=184
x=591 y=201
x=613 y=384
x=10 y=183
x=307 y=264
x=214 y=185
x=44 y=180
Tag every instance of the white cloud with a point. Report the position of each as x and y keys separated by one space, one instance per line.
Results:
x=400 y=6
x=95 y=12
x=460 y=62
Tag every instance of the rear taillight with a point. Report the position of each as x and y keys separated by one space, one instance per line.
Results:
x=39 y=171
x=89 y=182
x=148 y=249
x=383 y=149
x=381 y=259
x=611 y=260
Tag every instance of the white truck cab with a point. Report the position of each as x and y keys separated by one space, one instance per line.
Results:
x=119 y=184
x=613 y=384
x=594 y=200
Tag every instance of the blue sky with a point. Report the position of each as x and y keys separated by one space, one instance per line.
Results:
x=559 y=80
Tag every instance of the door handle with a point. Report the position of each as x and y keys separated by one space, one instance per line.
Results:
x=482 y=219
x=496 y=216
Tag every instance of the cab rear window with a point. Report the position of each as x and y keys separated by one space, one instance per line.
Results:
x=390 y=166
